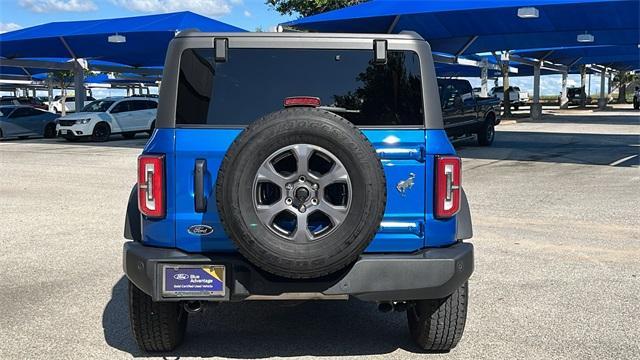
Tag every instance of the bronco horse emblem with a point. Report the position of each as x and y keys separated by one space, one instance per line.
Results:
x=405 y=185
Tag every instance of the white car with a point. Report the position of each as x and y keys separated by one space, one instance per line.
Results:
x=517 y=97
x=115 y=115
x=69 y=104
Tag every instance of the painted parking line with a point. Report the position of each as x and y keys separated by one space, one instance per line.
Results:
x=620 y=161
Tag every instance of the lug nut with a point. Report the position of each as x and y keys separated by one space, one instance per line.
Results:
x=314 y=186
x=288 y=201
x=288 y=186
x=301 y=179
x=302 y=208
x=314 y=201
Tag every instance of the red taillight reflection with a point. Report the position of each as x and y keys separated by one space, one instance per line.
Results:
x=448 y=186
x=151 y=186
x=302 y=101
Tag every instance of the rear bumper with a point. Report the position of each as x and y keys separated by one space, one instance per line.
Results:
x=429 y=274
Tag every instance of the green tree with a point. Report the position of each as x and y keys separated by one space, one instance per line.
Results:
x=62 y=79
x=622 y=80
x=309 y=7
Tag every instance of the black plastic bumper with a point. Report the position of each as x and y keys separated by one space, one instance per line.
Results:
x=430 y=274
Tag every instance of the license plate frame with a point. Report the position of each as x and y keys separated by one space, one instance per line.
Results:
x=63 y=132
x=193 y=281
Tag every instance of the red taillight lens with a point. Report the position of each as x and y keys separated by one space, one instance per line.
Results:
x=448 y=181
x=151 y=189
x=302 y=101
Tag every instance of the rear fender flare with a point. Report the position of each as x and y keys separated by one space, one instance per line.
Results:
x=463 y=220
x=132 y=221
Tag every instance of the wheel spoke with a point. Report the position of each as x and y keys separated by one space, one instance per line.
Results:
x=266 y=172
x=337 y=174
x=302 y=234
x=266 y=213
x=302 y=152
x=336 y=214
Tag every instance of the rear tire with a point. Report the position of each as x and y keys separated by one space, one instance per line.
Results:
x=437 y=325
x=156 y=326
x=487 y=133
x=101 y=132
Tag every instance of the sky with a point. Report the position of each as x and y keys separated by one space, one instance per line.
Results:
x=247 y=14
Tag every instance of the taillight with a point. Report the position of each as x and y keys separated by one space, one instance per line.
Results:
x=151 y=186
x=448 y=181
x=302 y=101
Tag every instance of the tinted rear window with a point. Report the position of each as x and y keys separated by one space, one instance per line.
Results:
x=255 y=82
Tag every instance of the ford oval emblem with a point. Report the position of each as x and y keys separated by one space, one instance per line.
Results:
x=200 y=230
x=181 y=276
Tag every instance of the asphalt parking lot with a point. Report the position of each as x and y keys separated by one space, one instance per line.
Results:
x=555 y=207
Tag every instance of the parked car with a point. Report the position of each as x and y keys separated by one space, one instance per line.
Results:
x=69 y=104
x=29 y=101
x=517 y=97
x=25 y=121
x=297 y=166
x=114 y=115
x=573 y=96
x=465 y=114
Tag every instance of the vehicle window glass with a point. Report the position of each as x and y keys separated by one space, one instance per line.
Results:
x=452 y=95
x=151 y=104
x=70 y=99
x=137 y=105
x=90 y=98
x=5 y=111
x=32 y=111
x=24 y=101
x=255 y=82
x=6 y=102
x=98 y=106
x=21 y=112
x=121 y=107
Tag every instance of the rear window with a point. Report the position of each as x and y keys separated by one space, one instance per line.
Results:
x=255 y=82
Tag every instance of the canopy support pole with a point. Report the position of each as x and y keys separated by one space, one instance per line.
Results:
x=564 y=101
x=50 y=93
x=506 y=94
x=484 y=78
x=583 y=84
x=602 y=102
x=536 y=107
x=78 y=80
x=609 y=82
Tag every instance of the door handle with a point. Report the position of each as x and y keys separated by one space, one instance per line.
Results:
x=198 y=185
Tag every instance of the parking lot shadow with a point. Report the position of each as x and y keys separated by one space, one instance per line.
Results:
x=263 y=329
x=573 y=148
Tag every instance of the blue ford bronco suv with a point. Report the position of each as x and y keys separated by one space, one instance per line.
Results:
x=289 y=166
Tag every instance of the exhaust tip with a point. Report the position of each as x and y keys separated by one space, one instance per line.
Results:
x=193 y=307
x=385 y=307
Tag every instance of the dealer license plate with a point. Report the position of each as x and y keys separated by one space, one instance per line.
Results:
x=63 y=132
x=193 y=280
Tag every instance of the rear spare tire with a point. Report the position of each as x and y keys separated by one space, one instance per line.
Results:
x=301 y=192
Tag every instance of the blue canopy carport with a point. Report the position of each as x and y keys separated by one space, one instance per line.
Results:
x=624 y=58
x=136 y=42
x=460 y=27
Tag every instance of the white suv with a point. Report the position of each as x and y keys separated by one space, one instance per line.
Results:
x=101 y=118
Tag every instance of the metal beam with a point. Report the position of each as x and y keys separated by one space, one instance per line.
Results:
x=466 y=46
x=52 y=65
x=64 y=42
x=393 y=24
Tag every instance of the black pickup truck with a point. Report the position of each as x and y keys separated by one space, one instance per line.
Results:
x=465 y=114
